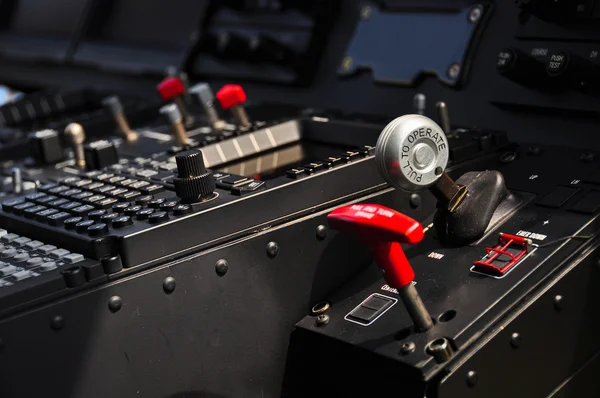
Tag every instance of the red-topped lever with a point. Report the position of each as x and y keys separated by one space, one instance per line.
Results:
x=173 y=89
x=383 y=229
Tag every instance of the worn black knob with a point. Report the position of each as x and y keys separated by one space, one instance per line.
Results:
x=193 y=183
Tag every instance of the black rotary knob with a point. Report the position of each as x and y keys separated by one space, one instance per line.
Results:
x=193 y=183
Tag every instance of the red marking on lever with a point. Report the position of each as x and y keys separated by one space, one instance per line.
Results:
x=382 y=229
x=170 y=88
x=231 y=95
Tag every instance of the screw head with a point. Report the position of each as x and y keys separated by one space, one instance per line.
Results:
x=321 y=232
x=414 y=201
x=115 y=303
x=169 y=284
x=347 y=63
x=454 y=71
x=272 y=249
x=365 y=12
x=322 y=320
x=57 y=322
x=407 y=348
x=472 y=378
x=508 y=157
x=516 y=340
x=475 y=14
x=221 y=267
x=558 y=302
x=587 y=157
x=534 y=150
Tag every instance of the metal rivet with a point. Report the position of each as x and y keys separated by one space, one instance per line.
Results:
x=472 y=378
x=221 y=267
x=558 y=302
x=347 y=62
x=587 y=157
x=516 y=340
x=475 y=14
x=407 y=348
x=115 y=303
x=414 y=200
x=321 y=232
x=508 y=157
x=322 y=320
x=169 y=284
x=534 y=150
x=365 y=12
x=272 y=249
x=454 y=71
x=57 y=322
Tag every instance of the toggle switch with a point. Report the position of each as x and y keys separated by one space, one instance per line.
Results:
x=382 y=230
x=175 y=120
x=76 y=136
x=173 y=89
x=207 y=99
x=116 y=109
x=232 y=96
x=521 y=67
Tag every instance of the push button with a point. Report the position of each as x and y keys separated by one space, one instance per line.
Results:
x=370 y=309
x=58 y=219
x=558 y=197
x=122 y=222
x=248 y=188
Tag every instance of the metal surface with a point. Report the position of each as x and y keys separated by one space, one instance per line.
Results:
x=412 y=152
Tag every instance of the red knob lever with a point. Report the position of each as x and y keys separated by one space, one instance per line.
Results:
x=170 y=88
x=383 y=229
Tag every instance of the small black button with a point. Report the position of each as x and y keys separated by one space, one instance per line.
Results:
x=46 y=187
x=97 y=229
x=248 y=188
x=30 y=211
x=314 y=167
x=94 y=186
x=120 y=207
x=158 y=217
x=155 y=203
x=122 y=222
x=70 y=206
x=58 y=189
x=333 y=161
x=109 y=217
x=81 y=196
x=21 y=207
x=46 y=200
x=104 y=177
x=558 y=197
x=70 y=223
x=96 y=214
x=168 y=206
x=129 y=195
x=152 y=189
x=105 y=203
x=71 y=192
x=104 y=189
x=83 y=226
x=589 y=204
x=143 y=200
x=350 y=155
x=131 y=210
x=9 y=205
x=41 y=216
x=296 y=173
x=58 y=218
x=33 y=197
x=82 y=210
x=232 y=180
x=58 y=202
x=220 y=176
x=143 y=214
x=82 y=183
x=93 y=199
x=181 y=210
x=117 y=192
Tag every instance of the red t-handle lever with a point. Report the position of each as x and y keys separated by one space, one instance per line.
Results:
x=383 y=229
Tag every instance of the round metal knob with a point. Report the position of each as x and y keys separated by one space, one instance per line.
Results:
x=412 y=152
